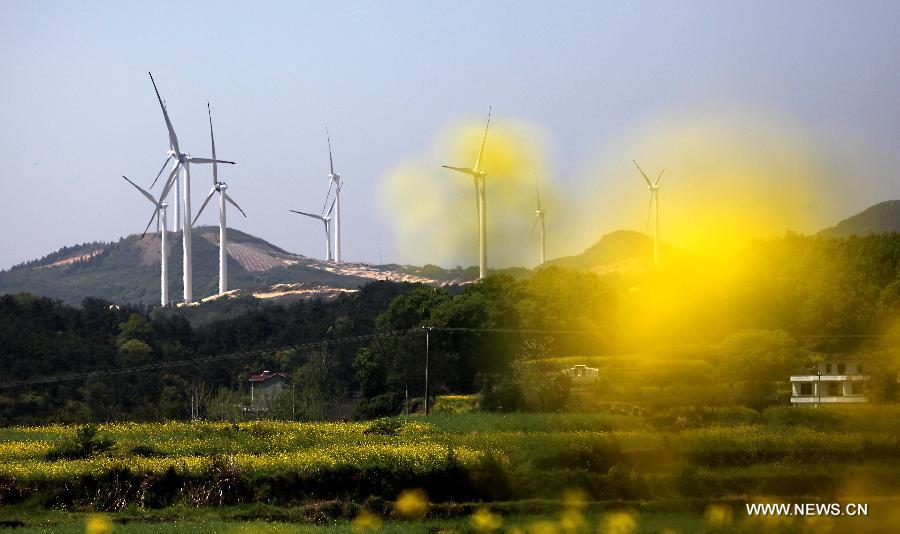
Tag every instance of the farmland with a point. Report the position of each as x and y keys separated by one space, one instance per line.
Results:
x=520 y=465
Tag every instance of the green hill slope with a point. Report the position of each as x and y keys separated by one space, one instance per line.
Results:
x=881 y=218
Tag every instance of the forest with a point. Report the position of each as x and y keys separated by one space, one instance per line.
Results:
x=724 y=332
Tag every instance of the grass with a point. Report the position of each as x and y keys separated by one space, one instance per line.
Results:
x=282 y=475
x=622 y=518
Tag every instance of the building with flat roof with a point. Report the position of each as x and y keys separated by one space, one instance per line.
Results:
x=836 y=381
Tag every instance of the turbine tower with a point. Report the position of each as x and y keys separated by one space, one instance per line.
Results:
x=159 y=213
x=326 y=220
x=334 y=180
x=478 y=175
x=219 y=187
x=654 y=201
x=183 y=205
x=539 y=217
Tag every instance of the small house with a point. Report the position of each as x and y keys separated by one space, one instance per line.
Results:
x=582 y=372
x=836 y=381
x=266 y=386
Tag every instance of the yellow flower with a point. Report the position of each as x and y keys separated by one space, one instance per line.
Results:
x=543 y=527
x=484 y=521
x=575 y=499
x=718 y=515
x=412 y=504
x=619 y=523
x=98 y=524
x=365 y=521
x=572 y=522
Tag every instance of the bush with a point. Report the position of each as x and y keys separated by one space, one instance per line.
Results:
x=384 y=427
x=84 y=444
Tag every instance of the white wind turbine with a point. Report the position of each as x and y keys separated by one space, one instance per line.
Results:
x=478 y=175
x=159 y=213
x=183 y=205
x=326 y=221
x=219 y=187
x=654 y=201
x=334 y=180
x=539 y=217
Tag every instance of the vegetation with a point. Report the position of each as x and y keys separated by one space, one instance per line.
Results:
x=789 y=302
x=519 y=458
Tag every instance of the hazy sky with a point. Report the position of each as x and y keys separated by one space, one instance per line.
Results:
x=79 y=111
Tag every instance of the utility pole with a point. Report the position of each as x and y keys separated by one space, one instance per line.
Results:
x=427 y=350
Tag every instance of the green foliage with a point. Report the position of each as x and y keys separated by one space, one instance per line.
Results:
x=384 y=427
x=84 y=444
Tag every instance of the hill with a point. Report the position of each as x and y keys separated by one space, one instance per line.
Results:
x=881 y=218
x=623 y=250
x=127 y=271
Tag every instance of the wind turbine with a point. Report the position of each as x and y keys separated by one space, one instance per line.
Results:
x=218 y=187
x=654 y=200
x=539 y=217
x=183 y=205
x=159 y=213
x=326 y=219
x=478 y=175
x=334 y=180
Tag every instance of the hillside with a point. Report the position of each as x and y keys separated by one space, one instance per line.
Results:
x=880 y=218
x=127 y=271
x=623 y=250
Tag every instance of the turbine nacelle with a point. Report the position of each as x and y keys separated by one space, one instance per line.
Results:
x=221 y=186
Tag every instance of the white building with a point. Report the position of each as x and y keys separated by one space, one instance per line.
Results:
x=582 y=372
x=836 y=381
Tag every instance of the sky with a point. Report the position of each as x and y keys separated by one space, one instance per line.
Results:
x=595 y=83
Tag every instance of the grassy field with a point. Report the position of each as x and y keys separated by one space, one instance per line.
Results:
x=690 y=469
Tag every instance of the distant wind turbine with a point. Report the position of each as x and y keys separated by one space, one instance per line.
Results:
x=478 y=175
x=183 y=207
x=219 y=187
x=159 y=213
x=326 y=221
x=334 y=179
x=539 y=217
x=654 y=201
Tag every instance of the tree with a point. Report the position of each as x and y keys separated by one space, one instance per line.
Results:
x=171 y=403
x=758 y=362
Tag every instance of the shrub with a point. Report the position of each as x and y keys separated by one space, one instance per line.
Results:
x=84 y=444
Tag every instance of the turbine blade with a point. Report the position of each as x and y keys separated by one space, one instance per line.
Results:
x=170 y=181
x=649 y=211
x=205 y=202
x=209 y=160
x=155 y=214
x=483 y=141
x=233 y=203
x=212 y=139
x=173 y=139
x=161 y=169
x=470 y=172
x=330 y=159
x=534 y=226
x=309 y=215
x=331 y=208
x=658 y=178
x=327 y=194
x=157 y=220
x=146 y=194
x=642 y=173
x=538 y=189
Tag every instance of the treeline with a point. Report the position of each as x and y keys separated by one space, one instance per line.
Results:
x=783 y=303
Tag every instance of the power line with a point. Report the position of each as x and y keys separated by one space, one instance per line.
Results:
x=337 y=341
x=195 y=361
